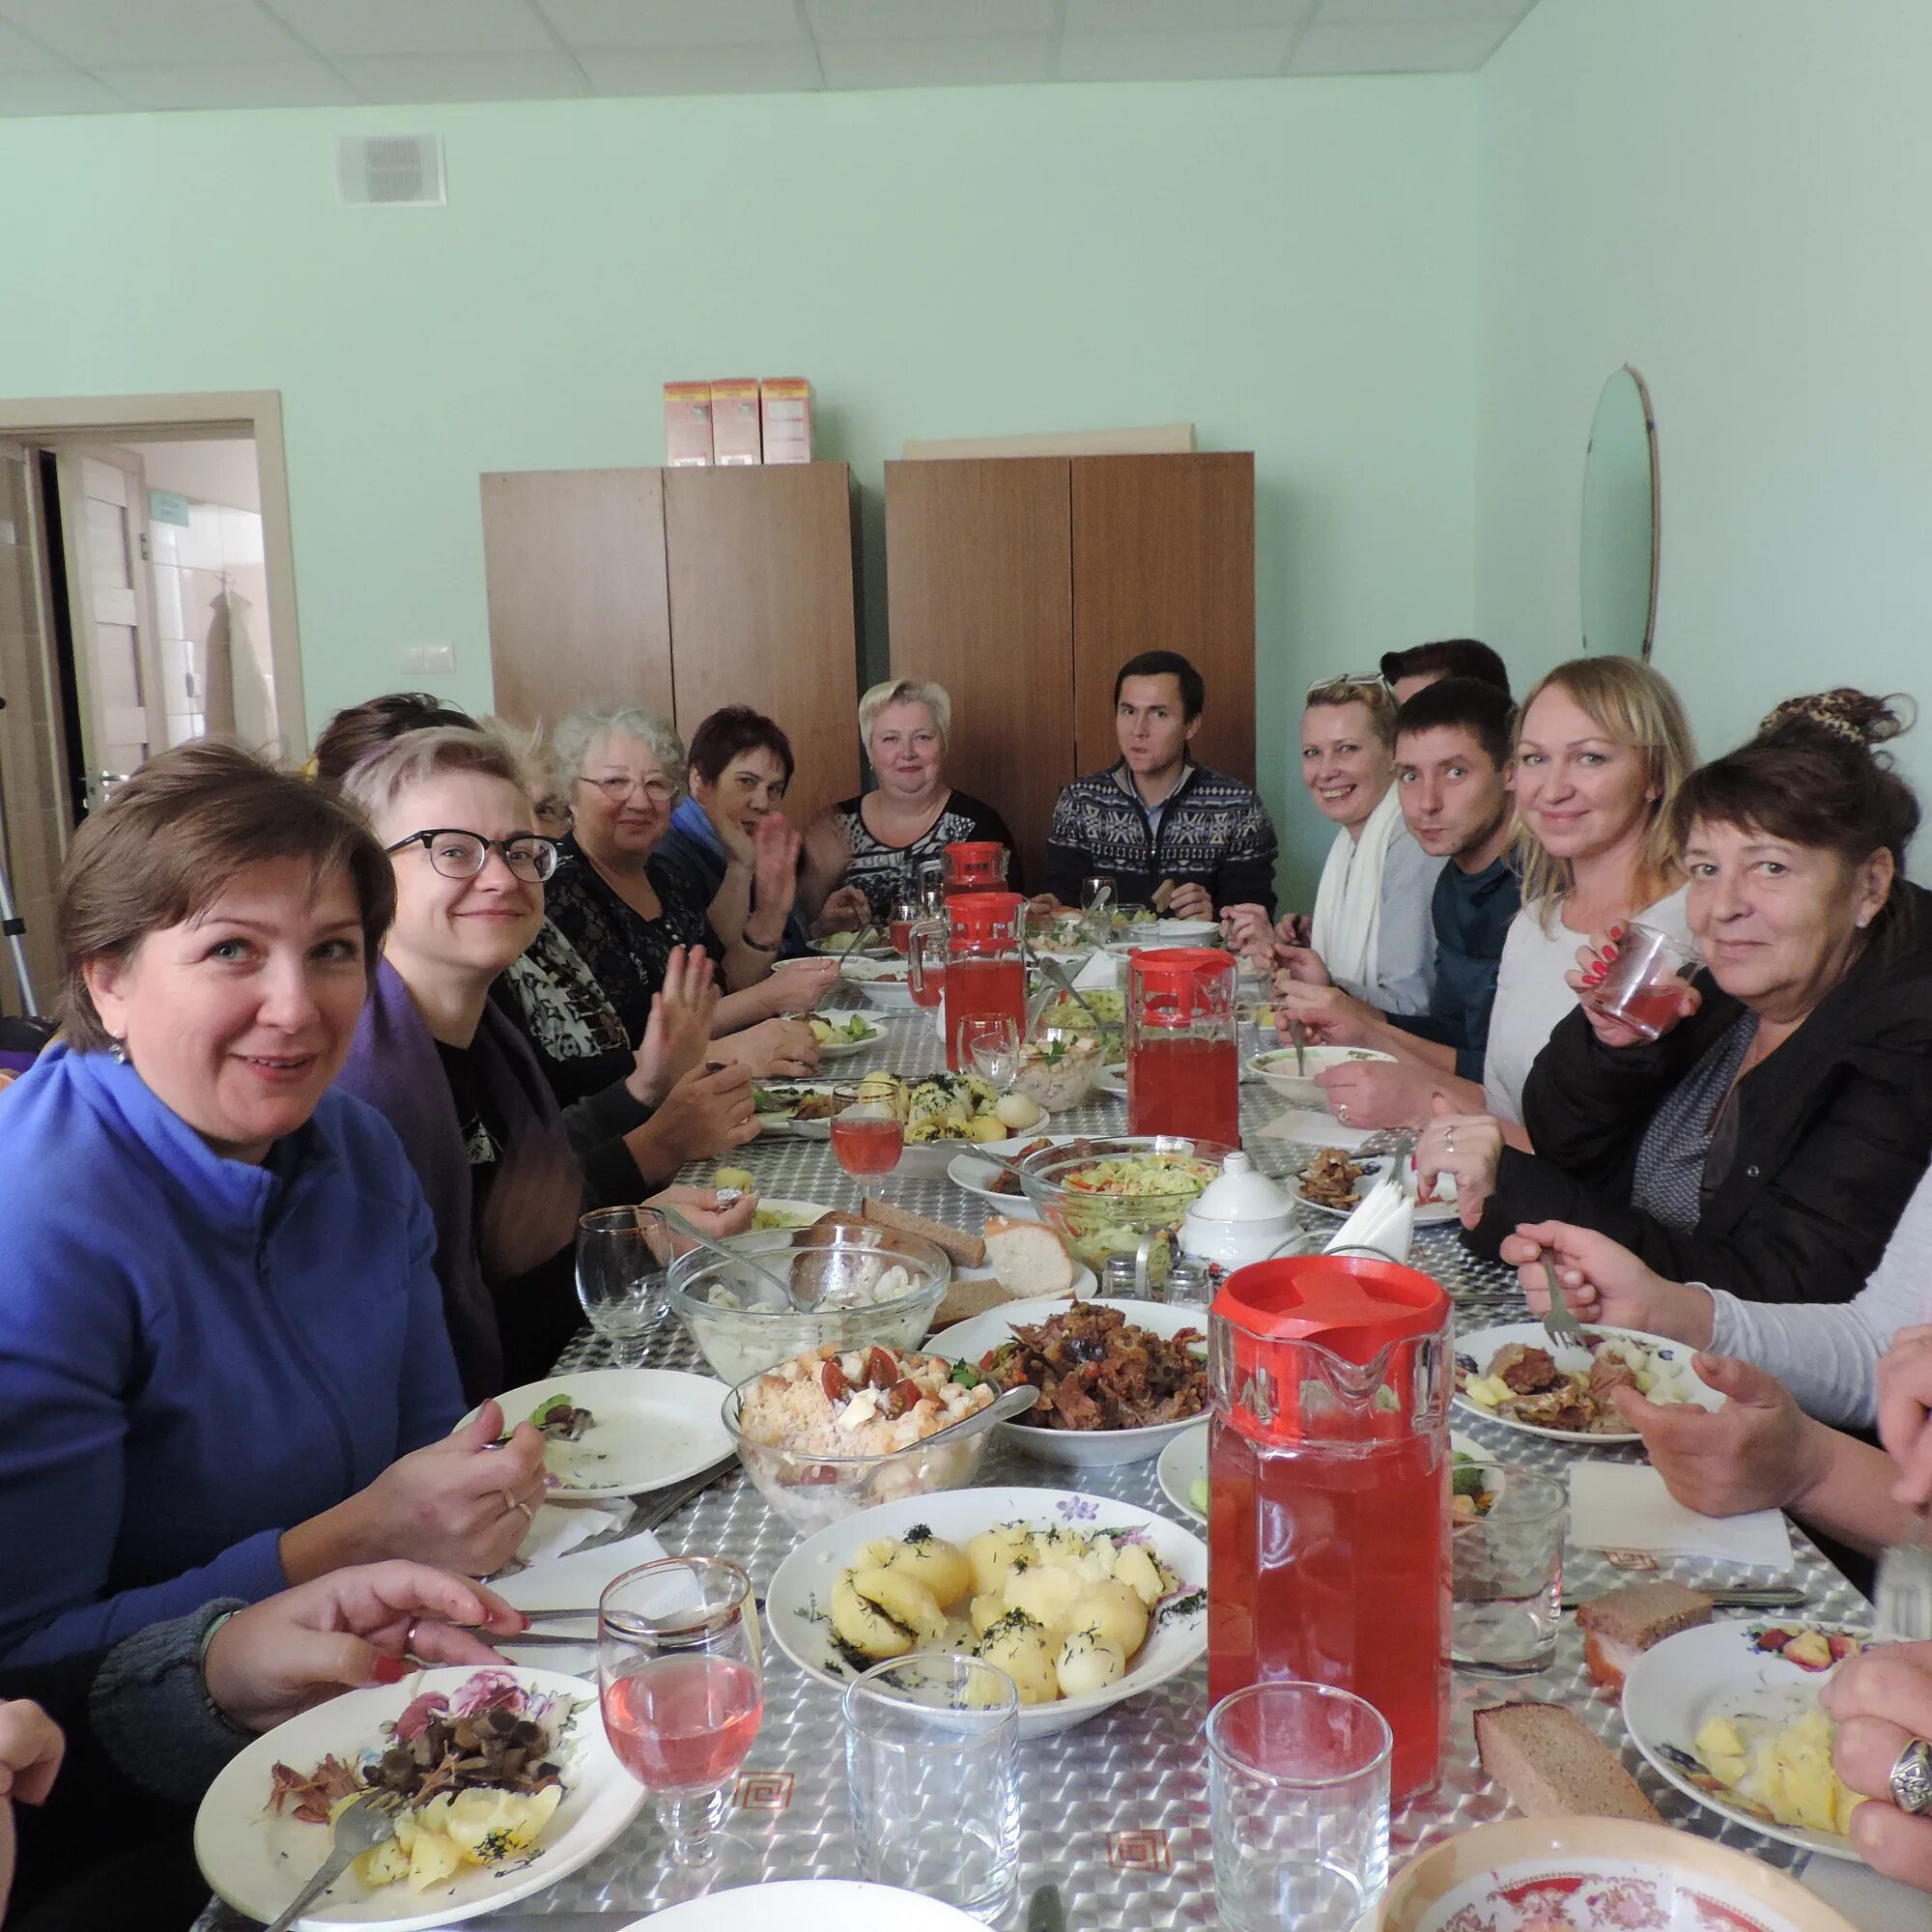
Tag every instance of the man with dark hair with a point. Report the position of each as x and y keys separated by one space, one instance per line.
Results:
x=1405 y=672
x=1452 y=775
x=1156 y=819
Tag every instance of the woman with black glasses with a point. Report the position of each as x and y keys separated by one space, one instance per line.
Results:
x=450 y=1070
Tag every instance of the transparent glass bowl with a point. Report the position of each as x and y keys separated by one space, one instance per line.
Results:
x=1097 y=1225
x=1054 y=1085
x=812 y=1492
x=741 y=1326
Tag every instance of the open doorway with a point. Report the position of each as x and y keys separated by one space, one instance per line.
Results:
x=147 y=596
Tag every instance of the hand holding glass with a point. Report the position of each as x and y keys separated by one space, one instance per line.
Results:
x=1645 y=982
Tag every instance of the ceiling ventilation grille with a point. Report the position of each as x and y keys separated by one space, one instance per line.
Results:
x=391 y=170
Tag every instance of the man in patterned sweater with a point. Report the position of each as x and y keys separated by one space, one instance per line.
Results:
x=1156 y=816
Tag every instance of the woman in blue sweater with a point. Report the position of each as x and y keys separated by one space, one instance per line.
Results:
x=223 y=1365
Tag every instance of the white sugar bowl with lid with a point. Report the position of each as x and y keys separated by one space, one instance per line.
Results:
x=1241 y=1216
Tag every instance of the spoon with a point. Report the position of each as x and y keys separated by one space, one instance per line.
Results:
x=1001 y=1408
x=737 y=1260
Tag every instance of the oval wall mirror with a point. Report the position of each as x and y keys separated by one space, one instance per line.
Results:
x=1620 y=534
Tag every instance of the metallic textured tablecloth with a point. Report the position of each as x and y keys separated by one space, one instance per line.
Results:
x=1115 y=1811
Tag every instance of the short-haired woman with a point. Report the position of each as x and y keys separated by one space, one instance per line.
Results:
x=877 y=841
x=221 y=1338
x=1768 y=1141
x=451 y=1073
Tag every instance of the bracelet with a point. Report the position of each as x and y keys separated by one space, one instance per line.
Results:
x=201 y=1678
x=758 y=944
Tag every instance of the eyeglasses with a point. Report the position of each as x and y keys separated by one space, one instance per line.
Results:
x=1352 y=680
x=462 y=855
x=656 y=791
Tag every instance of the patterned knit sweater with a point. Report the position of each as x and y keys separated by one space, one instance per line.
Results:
x=1213 y=830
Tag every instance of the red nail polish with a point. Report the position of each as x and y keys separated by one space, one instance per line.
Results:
x=1606 y=953
x=392 y=1670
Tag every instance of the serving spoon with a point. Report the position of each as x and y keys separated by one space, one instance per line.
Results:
x=700 y=1238
x=1057 y=973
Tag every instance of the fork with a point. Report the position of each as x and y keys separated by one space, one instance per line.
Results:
x=358 y=1828
x=1559 y=1325
x=1902 y=1595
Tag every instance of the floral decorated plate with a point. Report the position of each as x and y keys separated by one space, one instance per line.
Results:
x=1594 y=1875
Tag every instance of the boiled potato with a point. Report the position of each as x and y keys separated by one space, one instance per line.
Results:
x=941 y=1566
x=1720 y=1749
x=1019 y=1646
x=863 y=1626
x=986 y=1611
x=489 y=1826
x=1046 y=1592
x=382 y=1865
x=1088 y=1663
x=992 y=1551
x=1016 y=1112
x=900 y=1596
x=1113 y=1611
x=1136 y=1567
x=740 y=1178
x=985 y=1127
x=435 y=1859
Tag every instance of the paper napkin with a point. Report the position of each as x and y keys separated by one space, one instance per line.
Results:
x=558 y=1528
x=1385 y=1221
x=573 y=1583
x=1101 y=974
x=1304 y=1123
x=1625 y=1506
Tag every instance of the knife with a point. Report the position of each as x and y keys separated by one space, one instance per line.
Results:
x=1774 y=1598
x=661 y=1508
x=1044 y=1910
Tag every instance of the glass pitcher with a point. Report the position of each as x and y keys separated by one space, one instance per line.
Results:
x=981 y=959
x=1184 y=1063
x=1328 y=1480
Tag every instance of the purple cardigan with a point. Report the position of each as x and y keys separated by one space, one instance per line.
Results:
x=538 y=1188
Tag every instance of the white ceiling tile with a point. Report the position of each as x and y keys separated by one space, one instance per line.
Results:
x=1441 y=47
x=367 y=27
x=406 y=78
x=608 y=24
x=307 y=83
x=1229 y=53
x=1010 y=60
x=63 y=92
x=146 y=33
x=765 y=69
x=1432 y=11
x=916 y=19
x=20 y=55
x=1176 y=16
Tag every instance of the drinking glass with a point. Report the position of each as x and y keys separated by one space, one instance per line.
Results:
x=1506 y=1544
x=1645 y=980
x=992 y=1042
x=621 y=1256
x=1298 y=1795
x=933 y=1765
x=680 y=1676
x=866 y=1137
x=1099 y=896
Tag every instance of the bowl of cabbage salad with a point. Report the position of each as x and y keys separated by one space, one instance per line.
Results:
x=1107 y=1196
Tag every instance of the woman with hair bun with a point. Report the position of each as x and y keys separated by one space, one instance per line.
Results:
x=1769 y=1141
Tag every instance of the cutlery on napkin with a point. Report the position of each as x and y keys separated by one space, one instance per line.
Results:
x=1625 y=1506
x=577 y=1580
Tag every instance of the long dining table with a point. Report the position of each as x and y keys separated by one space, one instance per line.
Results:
x=1113 y=1811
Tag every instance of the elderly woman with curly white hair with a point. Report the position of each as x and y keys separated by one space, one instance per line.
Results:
x=877 y=842
x=625 y=912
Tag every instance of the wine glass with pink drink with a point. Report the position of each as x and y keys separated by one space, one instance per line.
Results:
x=680 y=1674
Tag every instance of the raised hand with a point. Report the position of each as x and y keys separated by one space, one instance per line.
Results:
x=679 y=1028
x=1468 y=1146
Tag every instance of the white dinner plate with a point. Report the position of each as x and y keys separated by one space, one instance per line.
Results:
x=1080 y=1448
x=1428 y=1214
x=1478 y=1348
x=844 y=1049
x=649 y=1428
x=810 y=1905
x=795 y=1214
x=1183 y=1462
x=1164 y=932
x=800 y=1588
x=1717 y=1671
x=782 y=1124
x=257 y=1861
x=977 y=1177
x=1113 y=1080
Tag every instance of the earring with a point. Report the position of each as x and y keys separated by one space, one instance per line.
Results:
x=1862 y=920
x=118 y=1050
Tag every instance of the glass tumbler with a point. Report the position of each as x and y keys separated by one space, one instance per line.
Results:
x=1506 y=1538
x=933 y=1765
x=621 y=1256
x=1299 y=1794
x=1646 y=980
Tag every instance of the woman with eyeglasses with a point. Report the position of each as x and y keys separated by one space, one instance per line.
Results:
x=625 y=909
x=1372 y=932
x=448 y=1069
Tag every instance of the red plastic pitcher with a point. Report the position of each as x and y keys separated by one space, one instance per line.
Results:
x=1329 y=1490
x=984 y=969
x=1183 y=1065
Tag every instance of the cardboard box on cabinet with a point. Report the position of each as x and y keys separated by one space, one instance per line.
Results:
x=735 y=437
x=687 y=438
x=786 y=408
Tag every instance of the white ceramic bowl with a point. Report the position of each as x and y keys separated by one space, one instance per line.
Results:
x=1176 y=1637
x=1077 y=1448
x=1276 y=1067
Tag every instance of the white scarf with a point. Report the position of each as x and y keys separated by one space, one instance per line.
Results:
x=1347 y=928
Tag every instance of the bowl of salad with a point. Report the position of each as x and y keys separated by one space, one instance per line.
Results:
x=1106 y=1196
x=1057 y=1068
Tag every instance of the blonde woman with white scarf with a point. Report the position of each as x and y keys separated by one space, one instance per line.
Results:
x=1371 y=933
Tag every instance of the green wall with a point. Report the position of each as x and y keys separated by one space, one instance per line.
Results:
x=1728 y=194
x=1290 y=266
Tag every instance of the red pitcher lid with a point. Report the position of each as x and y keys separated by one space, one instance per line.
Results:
x=1351 y=1305
x=983 y=914
x=967 y=852
x=1183 y=978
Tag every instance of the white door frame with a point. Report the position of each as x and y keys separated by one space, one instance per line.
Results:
x=211 y=417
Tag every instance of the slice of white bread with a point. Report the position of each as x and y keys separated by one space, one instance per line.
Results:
x=968 y=1250
x=1555 y=1766
x=1029 y=1258
x=1620 y=1627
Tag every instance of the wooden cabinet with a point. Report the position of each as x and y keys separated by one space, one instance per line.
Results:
x=682 y=590
x=1023 y=584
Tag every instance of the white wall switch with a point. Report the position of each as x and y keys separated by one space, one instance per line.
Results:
x=428 y=660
